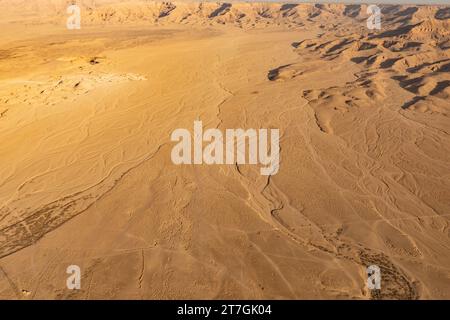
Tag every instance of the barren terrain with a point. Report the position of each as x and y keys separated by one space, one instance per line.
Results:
x=86 y=176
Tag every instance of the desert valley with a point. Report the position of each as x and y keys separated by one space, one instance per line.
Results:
x=87 y=179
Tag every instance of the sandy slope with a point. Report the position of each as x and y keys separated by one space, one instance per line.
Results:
x=87 y=179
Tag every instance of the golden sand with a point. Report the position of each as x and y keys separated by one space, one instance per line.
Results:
x=86 y=176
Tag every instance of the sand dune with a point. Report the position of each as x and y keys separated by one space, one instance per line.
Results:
x=87 y=179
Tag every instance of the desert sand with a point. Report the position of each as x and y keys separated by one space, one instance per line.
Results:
x=86 y=176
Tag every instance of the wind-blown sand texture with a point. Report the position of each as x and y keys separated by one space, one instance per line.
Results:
x=86 y=176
